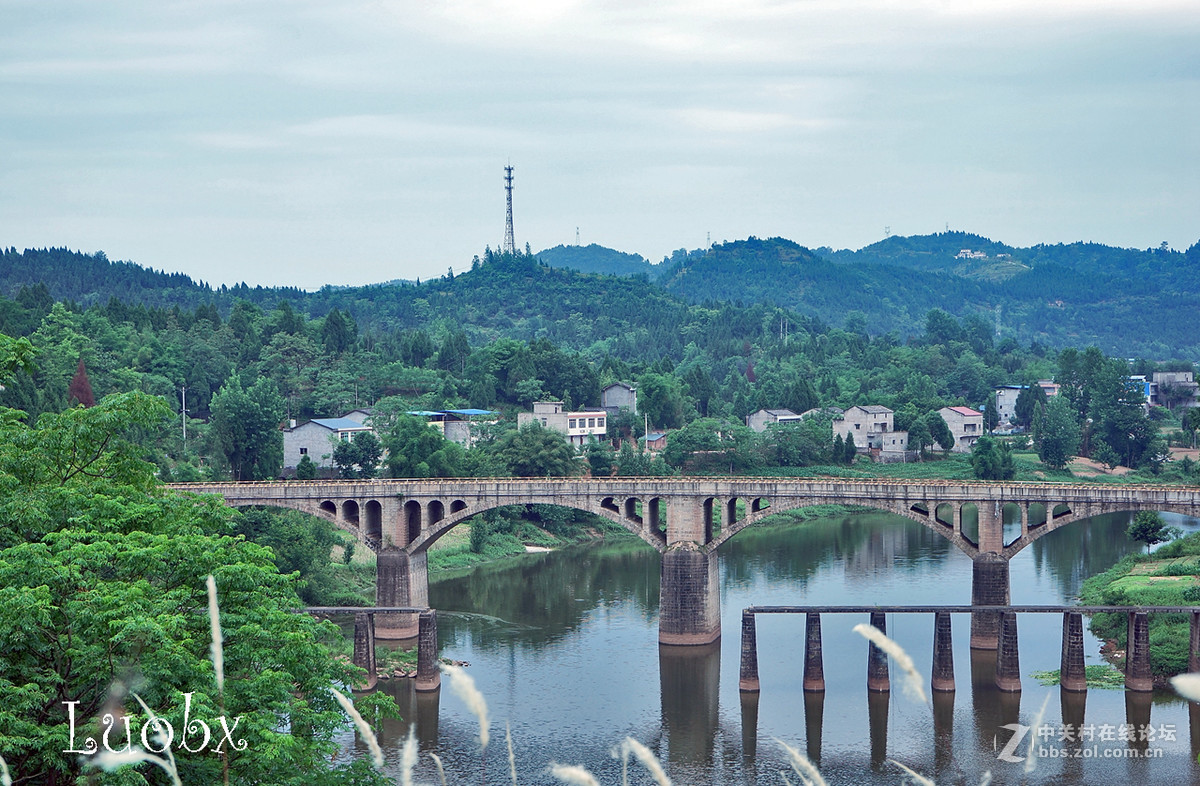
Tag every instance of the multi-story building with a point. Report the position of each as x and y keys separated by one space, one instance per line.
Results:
x=758 y=421
x=317 y=438
x=618 y=396
x=578 y=427
x=965 y=424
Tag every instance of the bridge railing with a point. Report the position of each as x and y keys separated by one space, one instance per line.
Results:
x=1008 y=675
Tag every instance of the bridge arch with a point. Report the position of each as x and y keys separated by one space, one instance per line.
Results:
x=620 y=511
x=325 y=510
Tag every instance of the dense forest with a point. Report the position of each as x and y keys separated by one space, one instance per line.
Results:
x=514 y=330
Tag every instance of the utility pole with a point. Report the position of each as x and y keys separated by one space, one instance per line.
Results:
x=183 y=417
x=510 y=244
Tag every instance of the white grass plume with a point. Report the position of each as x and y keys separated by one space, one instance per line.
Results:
x=408 y=758
x=986 y=780
x=919 y=779
x=512 y=760
x=573 y=774
x=914 y=683
x=364 y=728
x=1187 y=686
x=1031 y=756
x=5 y=778
x=214 y=621
x=464 y=688
x=645 y=756
x=110 y=760
x=808 y=772
x=162 y=739
x=441 y=770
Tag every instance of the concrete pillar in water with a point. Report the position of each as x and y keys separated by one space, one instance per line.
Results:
x=400 y=580
x=364 y=649
x=941 y=678
x=429 y=676
x=1194 y=647
x=814 y=667
x=1137 y=653
x=877 y=663
x=989 y=587
x=1071 y=674
x=814 y=719
x=689 y=597
x=877 y=720
x=1008 y=662
x=748 y=678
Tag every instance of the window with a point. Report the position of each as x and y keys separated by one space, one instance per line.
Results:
x=303 y=451
x=572 y=423
x=599 y=422
x=857 y=426
x=591 y=423
x=543 y=421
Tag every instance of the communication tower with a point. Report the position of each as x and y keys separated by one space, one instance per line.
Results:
x=510 y=244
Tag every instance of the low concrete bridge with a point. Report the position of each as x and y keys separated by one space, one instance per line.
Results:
x=687 y=519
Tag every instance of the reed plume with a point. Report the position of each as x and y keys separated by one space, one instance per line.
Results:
x=364 y=728
x=914 y=683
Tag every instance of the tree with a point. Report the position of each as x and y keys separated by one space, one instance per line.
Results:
x=992 y=461
x=660 y=398
x=533 y=451
x=940 y=431
x=919 y=436
x=1030 y=401
x=417 y=450
x=102 y=586
x=991 y=415
x=708 y=444
x=1148 y=527
x=306 y=469
x=850 y=450
x=80 y=389
x=1058 y=434
x=358 y=458
x=838 y=451
x=244 y=429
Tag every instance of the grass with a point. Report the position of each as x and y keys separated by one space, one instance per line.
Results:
x=1097 y=676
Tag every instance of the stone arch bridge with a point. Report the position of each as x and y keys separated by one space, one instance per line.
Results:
x=687 y=519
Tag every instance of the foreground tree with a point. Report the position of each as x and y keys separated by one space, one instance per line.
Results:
x=245 y=428
x=1058 y=434
x=534 y=451
x=102 y=592
x=992 y=461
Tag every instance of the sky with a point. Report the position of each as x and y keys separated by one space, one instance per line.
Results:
x=345 y=142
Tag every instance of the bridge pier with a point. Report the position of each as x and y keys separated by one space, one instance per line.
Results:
x=429 y=676
x=814 y=666
x=400 y=580
x=1071 y=674
x=689 y=596
x=941 y=677
x=989 y=587
x=364 y=649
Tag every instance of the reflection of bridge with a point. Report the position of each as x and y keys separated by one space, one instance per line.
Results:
x=688 y=519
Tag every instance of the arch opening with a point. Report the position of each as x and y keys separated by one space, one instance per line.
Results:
x=968 y=517
x=709 y=514
x=350 y=512
x=412 y=519
x=330 y=507
x=944 y=514
x=373 y=513
x=437 y=511
x=457 y=505
x=1036 y=515
x=1061 y=509
x=920 y=509
x=655 y=520
x=1011 y=519
x=633 y=510
x=759 y=504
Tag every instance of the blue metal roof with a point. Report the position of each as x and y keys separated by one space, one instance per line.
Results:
x=469 y=412
x=422 y=413
x=340 y=424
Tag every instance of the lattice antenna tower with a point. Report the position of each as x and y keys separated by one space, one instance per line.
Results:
x=510 y=244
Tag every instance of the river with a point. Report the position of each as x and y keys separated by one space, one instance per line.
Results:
x=564 y=647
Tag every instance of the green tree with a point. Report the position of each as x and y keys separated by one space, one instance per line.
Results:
x=991 y=460
x=711 y=445
x=358 y=458
x=533 y=451
x=244 y=429
x=939 y=430
x=991 y=414
x=306 y=469
x=417 y=450
x=919 y=437
x=1058 y=434
x=1030 y=401
x=102 y=590
x=660 y=398
x=1148 y=527
x=850 y=450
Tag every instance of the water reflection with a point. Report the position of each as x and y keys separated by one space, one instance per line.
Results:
x=564 y=646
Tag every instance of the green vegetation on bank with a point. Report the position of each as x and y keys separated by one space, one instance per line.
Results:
x=1100 y=675
x=1168 y=577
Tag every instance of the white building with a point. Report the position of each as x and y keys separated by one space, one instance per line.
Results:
x=578 y=427
x=317 y=439
x=758 y=421
x=965 y=424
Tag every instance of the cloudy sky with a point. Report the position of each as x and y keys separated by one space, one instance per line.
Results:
x=355 y=141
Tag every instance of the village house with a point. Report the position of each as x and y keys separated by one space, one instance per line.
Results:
x=872 y=429
x=758 y=421
x=317 y=439
x=965 y=424
x=578 y=427
x=618 y=396
x=457 y=425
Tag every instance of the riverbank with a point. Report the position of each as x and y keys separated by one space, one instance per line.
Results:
x=1168 y=577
